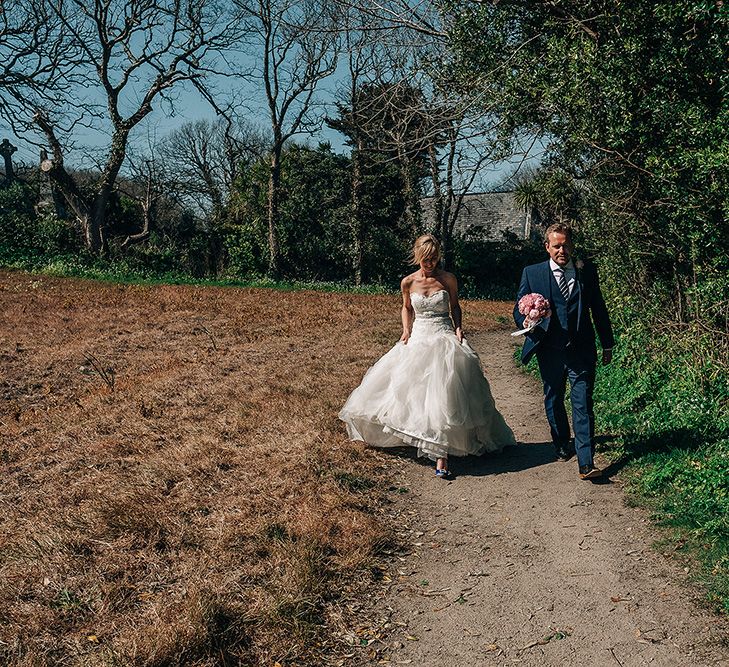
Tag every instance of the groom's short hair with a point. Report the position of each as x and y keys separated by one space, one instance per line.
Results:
x=559 y=228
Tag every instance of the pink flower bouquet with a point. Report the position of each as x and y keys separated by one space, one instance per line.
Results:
x=535 y=307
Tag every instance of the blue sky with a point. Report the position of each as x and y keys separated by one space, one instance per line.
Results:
x=189 y=105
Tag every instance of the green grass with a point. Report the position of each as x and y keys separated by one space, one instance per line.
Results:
x=84 y=266
x=664 y=405
x=75 y=267
x=687 y=490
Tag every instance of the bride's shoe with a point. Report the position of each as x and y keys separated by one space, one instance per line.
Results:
x=442 y=473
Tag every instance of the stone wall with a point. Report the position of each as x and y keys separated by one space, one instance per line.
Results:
x=492 y=213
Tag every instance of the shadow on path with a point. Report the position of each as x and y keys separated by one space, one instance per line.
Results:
x=523 y=456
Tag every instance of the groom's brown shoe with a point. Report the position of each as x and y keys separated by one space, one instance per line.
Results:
x=590 y=472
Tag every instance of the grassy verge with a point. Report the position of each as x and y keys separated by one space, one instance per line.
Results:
x=83 y=266
x=123 y=270
x=664 y=402
x=686 y=488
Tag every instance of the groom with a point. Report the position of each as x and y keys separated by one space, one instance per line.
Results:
x=565 y=342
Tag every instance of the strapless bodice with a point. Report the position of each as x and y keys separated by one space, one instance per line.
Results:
x=431 y=311
x=436 y=303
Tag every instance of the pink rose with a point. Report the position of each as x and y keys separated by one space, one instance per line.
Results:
x=534 y=306
x=526 y=303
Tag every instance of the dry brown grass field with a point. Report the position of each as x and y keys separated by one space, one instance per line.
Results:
x=176 y=487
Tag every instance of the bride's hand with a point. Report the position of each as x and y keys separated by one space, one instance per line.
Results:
x=459 y=334
x=405 y=337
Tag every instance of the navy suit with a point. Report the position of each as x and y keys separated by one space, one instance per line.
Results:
x=565 y=347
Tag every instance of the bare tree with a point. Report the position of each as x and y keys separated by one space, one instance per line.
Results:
x=145 y=182
x=138 y=50
x=457 y=130
x=464 y=141
x=413 y=16
x=394 y=116
x=294 y=47
x=204 y=158
x=38 y=61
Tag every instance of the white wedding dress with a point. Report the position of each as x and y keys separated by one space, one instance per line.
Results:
x=429 y=393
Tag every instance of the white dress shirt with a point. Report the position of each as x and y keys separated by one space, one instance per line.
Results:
x=569 y=273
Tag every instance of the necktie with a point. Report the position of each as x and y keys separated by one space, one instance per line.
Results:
x=562 y=282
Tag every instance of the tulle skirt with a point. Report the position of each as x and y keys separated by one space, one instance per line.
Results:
x=429 y=393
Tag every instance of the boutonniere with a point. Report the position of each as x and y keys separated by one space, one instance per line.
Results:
x=579 y=265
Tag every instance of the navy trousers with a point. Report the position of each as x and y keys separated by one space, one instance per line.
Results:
x=556 y=367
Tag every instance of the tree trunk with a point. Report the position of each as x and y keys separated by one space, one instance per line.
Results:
x=357 y=222
x=95 y=224
x=448 y=222
x=437 y=193
x=410 y=216
x=440 y=226
x=274 y=181
x=445 y=243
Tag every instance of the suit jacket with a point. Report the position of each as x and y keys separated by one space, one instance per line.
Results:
x=586 y=305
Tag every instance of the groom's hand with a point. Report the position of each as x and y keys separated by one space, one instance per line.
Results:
x=459 y=334
x=607 y=356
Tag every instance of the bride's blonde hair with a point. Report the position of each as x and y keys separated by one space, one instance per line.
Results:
x=425 y=247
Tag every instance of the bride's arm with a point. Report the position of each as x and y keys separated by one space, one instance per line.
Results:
x=456 y=315
x=407 y=309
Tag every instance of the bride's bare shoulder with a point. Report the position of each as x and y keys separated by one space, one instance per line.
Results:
x=407 y=282
x=448 y=279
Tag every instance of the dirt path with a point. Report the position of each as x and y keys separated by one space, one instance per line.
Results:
x=517 y=561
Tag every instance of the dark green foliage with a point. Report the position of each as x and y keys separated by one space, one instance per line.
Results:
x=316 y=232
x=632 y=97
x=492 y=269
x=387 y=239
x=27 y=237
x=314 y=225
x=314 y=196
x=314 y=205
x=245 y=233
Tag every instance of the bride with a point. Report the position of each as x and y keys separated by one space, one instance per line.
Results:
x=428 y=391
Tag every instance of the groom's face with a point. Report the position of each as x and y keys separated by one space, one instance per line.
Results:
x=559 y=248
